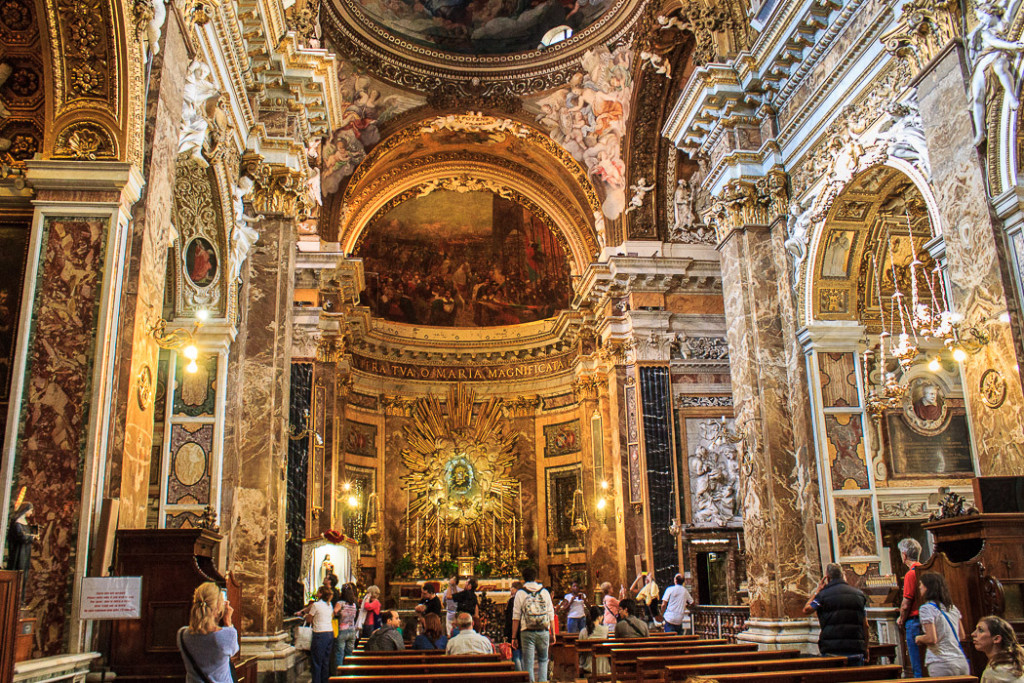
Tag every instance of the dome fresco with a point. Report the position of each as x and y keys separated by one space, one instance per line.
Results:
x=482 y=26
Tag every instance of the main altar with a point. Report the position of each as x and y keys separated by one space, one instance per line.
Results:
x=463 y=513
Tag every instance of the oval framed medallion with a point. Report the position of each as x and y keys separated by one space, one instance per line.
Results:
x=201 y=262
x=992 y=388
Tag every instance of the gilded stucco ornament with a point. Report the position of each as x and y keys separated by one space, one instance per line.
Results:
x=715 y=28
x=85 y=140
x=925 y=27
x=743 y=202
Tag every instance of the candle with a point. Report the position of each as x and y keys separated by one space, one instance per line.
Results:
x=417 y=534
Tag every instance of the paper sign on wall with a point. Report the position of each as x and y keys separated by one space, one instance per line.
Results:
x=111 y=597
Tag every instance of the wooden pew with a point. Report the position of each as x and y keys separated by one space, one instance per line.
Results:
x=651 y=667
x=877 y=652
x=484 y=677
x=848 y=674
x=630 y=649
x=426 y=667
x=565 y=653
x=414 y=656
x=682 y=672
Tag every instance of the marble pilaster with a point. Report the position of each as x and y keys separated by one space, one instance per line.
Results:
x=256 y=444
x=63 y=370
x=978 y=262
x=131 y=429
x=778 y=487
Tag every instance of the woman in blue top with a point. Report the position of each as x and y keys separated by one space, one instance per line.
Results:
x=433 y=637
x=209 y=641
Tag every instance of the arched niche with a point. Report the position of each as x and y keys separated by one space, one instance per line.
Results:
x=472 y=152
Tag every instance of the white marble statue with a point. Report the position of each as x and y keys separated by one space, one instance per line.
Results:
x=155 y=25
x=798 y=229
x=987 y=49
x=682 y=203
x=905 y=139
x=640 y=190
x=657 y=62
x=195 y=126
x=243 y=234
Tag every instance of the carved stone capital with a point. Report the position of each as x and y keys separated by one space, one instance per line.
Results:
x=925 y=27
x=586 y=388
x=331 y=349
x=521 y=406
x=279 y=189
x=746 y=202
x=397 y=406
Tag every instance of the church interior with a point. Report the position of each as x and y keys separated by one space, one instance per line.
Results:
x=402 y=290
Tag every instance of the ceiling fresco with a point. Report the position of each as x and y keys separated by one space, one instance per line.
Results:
x=482 y=26
x=463 y=259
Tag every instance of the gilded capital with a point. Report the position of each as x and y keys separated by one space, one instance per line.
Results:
x=925 y=27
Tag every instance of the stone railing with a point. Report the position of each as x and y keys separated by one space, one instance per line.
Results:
x=719 y=621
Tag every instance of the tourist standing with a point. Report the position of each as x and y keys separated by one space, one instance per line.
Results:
x=996 y=638
x=611 y=603
x=319 y=616
x=575 y=602
x=429 y=602
x=514 y=643
x=209 y=641
x=673 y=605
x=532 y=618
x=345 y=609
x=466 y=599
x=369 y=613
x=451 y=609
x=843 y=617
x=910 y=553
x=943 y=630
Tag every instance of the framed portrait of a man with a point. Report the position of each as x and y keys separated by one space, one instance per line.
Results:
x=928 y=434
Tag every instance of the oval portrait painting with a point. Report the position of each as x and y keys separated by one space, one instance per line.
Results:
x=925 y=407
x=201 y=262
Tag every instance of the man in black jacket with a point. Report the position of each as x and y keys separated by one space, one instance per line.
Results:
x=842 y=615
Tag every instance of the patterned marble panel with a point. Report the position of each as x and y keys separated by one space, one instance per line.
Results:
x=361 y=439
x=978 y=289
x=855 y=524
x=297 y=473
x=196 y=392
x=55 y=411
x=655 y=393
x=182 y=520
x=838 y=380
x=846 y=451
x=188 y=480
x=559 y=401
x=562 y=438
x=362 y=400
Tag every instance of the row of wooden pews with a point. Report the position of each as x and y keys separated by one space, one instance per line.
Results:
x=426 y=666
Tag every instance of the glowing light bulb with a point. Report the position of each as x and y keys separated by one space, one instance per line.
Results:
x=601 y=502
x=1004 y=317
x=934 y=365
x=604 y=484
x=191 y=352
x=192 y=368
x=959 y=355
x=346 y=486
x=353 y=501
x=203 y=314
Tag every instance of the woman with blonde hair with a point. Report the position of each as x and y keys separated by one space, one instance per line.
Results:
x=996 y=638
x=369 y=612
x=209 y=641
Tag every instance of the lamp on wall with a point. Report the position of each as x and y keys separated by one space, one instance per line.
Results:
x=601 y=507
x=578 y=515
x=179 y=338
x=306 y=431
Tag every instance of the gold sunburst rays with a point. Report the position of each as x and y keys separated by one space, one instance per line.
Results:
x=460 y=482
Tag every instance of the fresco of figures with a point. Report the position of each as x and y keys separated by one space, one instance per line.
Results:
x=482 y=26
x=367 y=105
x=457 y=259
x=588 y=118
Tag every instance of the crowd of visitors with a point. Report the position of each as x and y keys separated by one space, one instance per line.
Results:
x=449 y=621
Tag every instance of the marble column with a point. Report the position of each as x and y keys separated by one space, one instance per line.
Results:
x=777 y=472
x=62 y=377
x=978 y=266
x=131 y=429
x=256 y=435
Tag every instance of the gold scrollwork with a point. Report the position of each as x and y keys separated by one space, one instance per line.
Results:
x=144 y=387
x=992 y=388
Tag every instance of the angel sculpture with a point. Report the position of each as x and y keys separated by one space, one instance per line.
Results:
x=640 y=191
x=987 y=49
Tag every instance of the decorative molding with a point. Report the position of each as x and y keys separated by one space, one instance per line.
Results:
x=690 y=401
x=925 y=27
x=743 y=202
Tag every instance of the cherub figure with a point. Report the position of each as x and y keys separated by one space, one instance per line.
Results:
x=640 y=191
x=987 y=49
x=657 y=62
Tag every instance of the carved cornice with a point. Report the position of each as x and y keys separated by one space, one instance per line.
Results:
x=925 y=27
x=521 y=406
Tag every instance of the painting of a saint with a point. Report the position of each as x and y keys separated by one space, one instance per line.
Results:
x=200 y=262
x=463 y=259
x=482 y=26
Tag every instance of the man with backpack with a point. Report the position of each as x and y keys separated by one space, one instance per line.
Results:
x=533 y=616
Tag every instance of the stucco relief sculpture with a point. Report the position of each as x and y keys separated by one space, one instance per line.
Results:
x=199 y=92
x=640 y=190
x=714 y=480
x=243 y=234
x=657 y=62
x=988 y=49
x=150 y=16
x=904 y=138
x=798 y=231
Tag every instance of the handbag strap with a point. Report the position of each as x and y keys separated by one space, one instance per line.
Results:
x=191 y=659
x=952 y=629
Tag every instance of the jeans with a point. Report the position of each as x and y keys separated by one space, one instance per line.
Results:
x=535 y=643
x=673 y=628
x=517 y=659
x=913 y=628
x=344 y=644
x=574 y=624
x=320 y=654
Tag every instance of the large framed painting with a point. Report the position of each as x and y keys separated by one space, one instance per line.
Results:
x=463 y=259
x=562 y=484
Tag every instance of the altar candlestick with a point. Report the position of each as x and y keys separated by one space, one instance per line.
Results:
x=417 y=535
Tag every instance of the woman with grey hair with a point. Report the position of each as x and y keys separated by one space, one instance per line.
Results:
x=910 y=553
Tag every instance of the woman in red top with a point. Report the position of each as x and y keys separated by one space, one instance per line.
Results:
x=370 y=614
